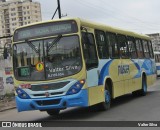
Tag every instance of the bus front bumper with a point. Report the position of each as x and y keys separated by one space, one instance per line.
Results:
x=61 y=102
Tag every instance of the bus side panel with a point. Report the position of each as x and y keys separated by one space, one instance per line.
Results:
x=117 y=78
x=138 y=83
x=131 y=69
x=96 y=95
x=118 y=89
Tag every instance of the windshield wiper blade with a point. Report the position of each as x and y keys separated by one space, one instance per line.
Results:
x=54 y=42
x=32 y=46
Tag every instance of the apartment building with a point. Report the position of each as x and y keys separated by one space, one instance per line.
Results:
x=155 y=40
x=15 y=13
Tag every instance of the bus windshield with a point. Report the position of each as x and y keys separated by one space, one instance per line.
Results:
x=47 y=59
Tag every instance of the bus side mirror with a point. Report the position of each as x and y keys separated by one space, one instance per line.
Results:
x=5 y=53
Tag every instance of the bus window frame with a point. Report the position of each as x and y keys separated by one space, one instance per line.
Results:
x=96 y=54
x=134 y=43
x=128 y=54
x=115 y=34
x=148 y=52
x=105 y=46
x=150 y=45
x=140 y=43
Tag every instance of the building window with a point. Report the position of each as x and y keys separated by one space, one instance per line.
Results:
x=13 y=19
x=24 y=13
x=35 y=11
x=12 y=9
x=27 y=7
x=28 y=17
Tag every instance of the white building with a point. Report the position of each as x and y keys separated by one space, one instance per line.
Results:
x=155 y=40
x=15 y=13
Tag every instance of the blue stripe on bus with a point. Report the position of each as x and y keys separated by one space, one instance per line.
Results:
x=138 y=68
x=147 y=65
x=158 y=67
x=104 y=72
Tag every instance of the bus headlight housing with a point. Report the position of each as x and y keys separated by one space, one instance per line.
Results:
x=76 y=87
x=22 y=94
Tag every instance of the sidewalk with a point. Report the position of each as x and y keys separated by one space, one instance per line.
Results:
x=7 y=104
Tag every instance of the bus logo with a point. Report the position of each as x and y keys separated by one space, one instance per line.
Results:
x=47 y=94
x=123 y=69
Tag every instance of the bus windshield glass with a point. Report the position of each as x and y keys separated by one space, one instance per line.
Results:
x=47 y=59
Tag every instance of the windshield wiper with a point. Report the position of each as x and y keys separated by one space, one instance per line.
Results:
x=54 y=42
x=32 y=46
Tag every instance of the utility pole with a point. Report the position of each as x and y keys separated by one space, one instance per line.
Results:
x=59 y=9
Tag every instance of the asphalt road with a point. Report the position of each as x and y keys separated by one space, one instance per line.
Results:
x=125 y=108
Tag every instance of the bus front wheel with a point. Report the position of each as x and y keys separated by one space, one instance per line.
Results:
x=53 y=112
x=106 y=104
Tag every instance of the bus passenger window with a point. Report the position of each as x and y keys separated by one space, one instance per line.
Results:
x=150 y=49
x=123 y=46
x=101 y=44
x=113 y=46
x=132 y=47
x=139 y=48
x=89 y=50
x=145 y=48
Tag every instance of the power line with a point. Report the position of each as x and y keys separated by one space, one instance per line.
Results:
x=102 y=10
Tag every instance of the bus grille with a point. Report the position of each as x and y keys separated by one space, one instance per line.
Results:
x=48 y=102
x=52 y=86
x=52 y=94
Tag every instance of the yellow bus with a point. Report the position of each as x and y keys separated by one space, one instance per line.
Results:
x=77 y=63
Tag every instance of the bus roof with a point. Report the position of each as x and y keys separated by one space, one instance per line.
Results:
x=113 y=29
x=95 y=26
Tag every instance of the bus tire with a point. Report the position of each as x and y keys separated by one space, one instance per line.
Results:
x=53 y=112
x=143 y=91
x=105 y=105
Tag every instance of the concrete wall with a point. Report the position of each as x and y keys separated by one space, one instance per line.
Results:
x=6 y=76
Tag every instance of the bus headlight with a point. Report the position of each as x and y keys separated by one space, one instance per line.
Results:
x=22 y=94
x=76 y=87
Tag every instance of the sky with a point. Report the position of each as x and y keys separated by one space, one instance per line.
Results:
x=142 y=16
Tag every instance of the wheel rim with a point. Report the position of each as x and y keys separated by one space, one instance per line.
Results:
x=107 y=96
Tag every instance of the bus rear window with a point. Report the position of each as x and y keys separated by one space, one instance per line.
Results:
x=45 y=30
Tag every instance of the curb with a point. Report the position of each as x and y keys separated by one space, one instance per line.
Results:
x=7 y=108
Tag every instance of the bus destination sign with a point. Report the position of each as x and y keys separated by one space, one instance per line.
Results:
x=45 y=30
